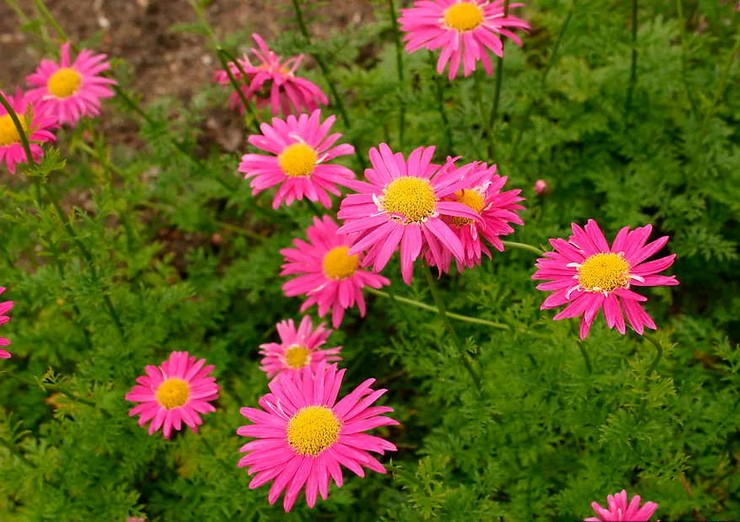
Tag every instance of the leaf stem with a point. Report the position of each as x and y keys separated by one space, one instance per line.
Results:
x=586 y=358
x=633 y=65
x=658 y=355
x=491 y=128
x=399 y=68
x=523 y=246
x=441 y=106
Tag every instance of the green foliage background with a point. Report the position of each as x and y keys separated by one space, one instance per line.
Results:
x=189 y=260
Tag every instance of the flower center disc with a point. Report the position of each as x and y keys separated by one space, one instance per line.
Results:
x=464 y=16
x=604 y=273
x=298 y=160
x=338 y=264
x=411 y=197
x=312 y=430
x=472 y=199
x=64 y=83
x=8 y=132
x=173 y=393
x=297 y=356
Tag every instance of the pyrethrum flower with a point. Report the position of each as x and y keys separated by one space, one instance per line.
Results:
x=5 y=307
x=327 y=273
x=303 y=434
x=496 y=210
x=69 y=90
x=588 y=276
x=177 y=391
x=34 y=124
x=299 y=149
x=465 y=30
x=620 y=511
x=297 y=348
x=272 y=83
x=402 y=205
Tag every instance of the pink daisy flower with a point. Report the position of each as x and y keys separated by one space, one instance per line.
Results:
x=297 y=348
x=464 y=29
x=402 y=205
x=620 y=511
x=588 y=276
x=496 y=210
x=272 y=83
x=34 y=124
x=177 y=391
x=70 y=90
x=327 y=273
x=5 y=307
x=299 y=149
x=303 y=435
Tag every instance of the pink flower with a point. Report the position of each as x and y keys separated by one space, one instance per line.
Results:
x=297 y=348
x=588 y=276
x=177 y=391
x=619 y=511
x=5 y=307
x=272 y=83
x=327 y=273
x=299 y=151
x=540 y=187
x=70 y=90
x=496 y=210
x=304 y=435
x=402 y=205
x=464 y=29
x=34 y=124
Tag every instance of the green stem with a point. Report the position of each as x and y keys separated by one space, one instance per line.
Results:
x=491 y=128
x=441 y=106
x=15 y=451
x=633 y=65
x=658 y=355
x=222 y=56
x=18 y=127
x=586 y=358
x=399 y=68
x=59 y=389
x=722 y=84
x=523 y=246
x=50 y=18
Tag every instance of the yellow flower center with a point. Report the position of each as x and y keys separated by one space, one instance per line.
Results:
x=173 y=393
x=297 y=356
x=338 y=264
x=312 y=430
x=464 y=16
x=604 y=273
x=471 y=198
x=411 y=197
x=8 y=132
x=298 y=160
x=64 y=83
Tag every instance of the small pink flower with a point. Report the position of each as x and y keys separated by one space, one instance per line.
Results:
x=299 y=151
x=35 y=126
x=272 y=83
x=620 y=511
x=177 y=391
x=297 y=348
x=588 y=276
x=540 y=187
x=5 y=308
x=328 y=274
x=303 y=435
x=465 y=30
x=402 y=205
x=70 y=90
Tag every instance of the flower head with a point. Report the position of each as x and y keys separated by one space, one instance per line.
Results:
x=177 y=391
x=69 y=90
x=299 y=149
x=402 y=204
x=303 y=434
x=34 y=124
x=297 y=348
x=327 y=273
x=588 y=276
x=541 y=187
x=273 y=83
x=5 y=307
x=620 y=511
x=465 y=30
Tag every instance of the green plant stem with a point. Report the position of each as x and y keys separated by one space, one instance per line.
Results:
x=658 y=355
x=399 y=68
x=523 y=246
x=325 y=71
x=50 y=18
x=15 y=451
x=684 y=53
x=722 y=83
x=429 y=308
x=633 y=65
x=441 y=107
x=18 y=127
x=222 y=56
x=586 y=358
x=491 y=128
x=72 y=396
